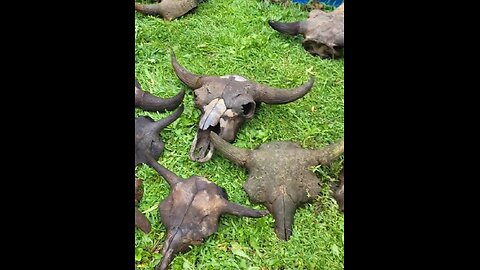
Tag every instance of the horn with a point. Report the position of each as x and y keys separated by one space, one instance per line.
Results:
x=150 y=9
x=242 y=211
x=142 y=222
x=149 y=102
x=160 y=124
x=293 y=29
x=171 y=178
x=235 y=154
x=280 y=96
x=329 y=153
x=191 y=80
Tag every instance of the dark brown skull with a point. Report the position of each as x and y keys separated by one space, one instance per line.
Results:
x=167 y=9
x=147 y=139
x=338 y=192
x=141 y=220
x=279 y=175
x=149 y=102
x=191 y=212
x=226 y=102
x=323 y=32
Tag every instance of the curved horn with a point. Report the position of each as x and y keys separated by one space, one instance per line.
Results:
x=280 y=96
x=149 y=102
x=160 y=124
x=293 y=29
x=329 y=153
x=235 y=154
x=171 y=178
x=150 y=9
x=191 y=80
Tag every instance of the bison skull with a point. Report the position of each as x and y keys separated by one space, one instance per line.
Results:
x=279 y=175
x=191 y=212
x=226 y=102
x=322 y=31
x=148 y=144
x=167 y=9
x=149 y=102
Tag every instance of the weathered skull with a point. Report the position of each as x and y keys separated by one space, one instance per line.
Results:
x=149 y=102
x=141 y=220
x=148 y=144
x=323 y=32
x=279 y=175
x=226 y=102
x=191 y=212
x=167 y=9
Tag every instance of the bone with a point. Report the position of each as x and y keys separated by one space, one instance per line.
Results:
x=147 y=139
x=279 y=176
x=226 y=102
x=191 y=212
x=212 y=113
x=201 y=149
x=323 y=32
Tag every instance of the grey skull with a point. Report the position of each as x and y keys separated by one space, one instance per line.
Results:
x=323 y=32
x=226 y=102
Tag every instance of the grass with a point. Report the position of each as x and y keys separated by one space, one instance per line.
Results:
x=232 y=37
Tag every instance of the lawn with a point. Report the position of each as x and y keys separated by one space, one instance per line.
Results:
x=233 y=37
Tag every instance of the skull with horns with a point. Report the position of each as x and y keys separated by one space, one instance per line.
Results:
x=226 y=102
x=323 y=32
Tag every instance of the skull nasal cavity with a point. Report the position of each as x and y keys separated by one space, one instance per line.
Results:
x=248 y=109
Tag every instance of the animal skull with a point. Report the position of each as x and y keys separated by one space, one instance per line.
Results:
x=226 y=102
x=191 y=212
x=149 y=102
x=279 y=175
x=167 y=9
x=323 y=32
x=148 y=144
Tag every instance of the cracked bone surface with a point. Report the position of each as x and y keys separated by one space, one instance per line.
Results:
x=191 y=212
x=226 y=102
x=279 y=175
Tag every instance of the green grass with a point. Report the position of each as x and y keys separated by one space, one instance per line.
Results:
x=232 y=37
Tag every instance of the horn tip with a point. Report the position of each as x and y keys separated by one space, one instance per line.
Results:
x=311 y=81
x=273 y=24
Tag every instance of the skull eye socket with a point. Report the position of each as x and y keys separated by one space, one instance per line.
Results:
x=248 y=109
